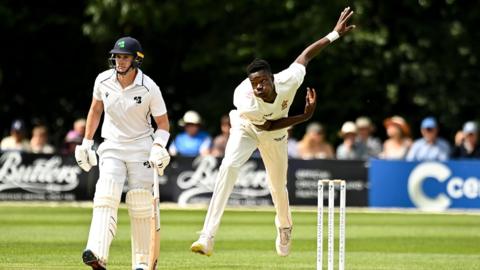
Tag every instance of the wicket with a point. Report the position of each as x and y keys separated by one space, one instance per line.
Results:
x=331 y=224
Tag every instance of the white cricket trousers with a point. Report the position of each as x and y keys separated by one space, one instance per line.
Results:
x=120 y=163
x=244 y=139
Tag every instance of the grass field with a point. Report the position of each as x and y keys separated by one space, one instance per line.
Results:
x=44 y=237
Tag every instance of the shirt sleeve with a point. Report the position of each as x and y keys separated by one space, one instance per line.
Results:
x=342 y=152
x=243 y=94
x=206 y=144
x=157 y=105
x=96 y=89
x=444 y=151
x=411 y=152
x=292 y=77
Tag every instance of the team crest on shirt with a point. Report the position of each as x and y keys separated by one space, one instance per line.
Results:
x=284 y=104
x=138 y=99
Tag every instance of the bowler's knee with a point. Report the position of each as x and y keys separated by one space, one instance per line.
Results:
x=231 y=164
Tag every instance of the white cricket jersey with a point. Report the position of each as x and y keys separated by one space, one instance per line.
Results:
x=255 y=110
x=127 y=110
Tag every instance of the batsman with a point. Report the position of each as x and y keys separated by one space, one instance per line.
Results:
x=260 y=121
x=130 y=148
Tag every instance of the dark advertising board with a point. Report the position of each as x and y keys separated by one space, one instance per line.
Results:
x=303 y=176
x=186 y=180
x=43 y=178
x=192 y=180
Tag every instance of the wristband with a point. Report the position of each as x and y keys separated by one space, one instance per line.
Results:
x=161 y=137
x=332 y=36
x=88 y=143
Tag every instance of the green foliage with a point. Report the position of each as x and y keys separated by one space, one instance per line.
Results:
x=405 y=57
x=412 y=58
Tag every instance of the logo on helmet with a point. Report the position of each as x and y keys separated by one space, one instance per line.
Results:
x=130 y=46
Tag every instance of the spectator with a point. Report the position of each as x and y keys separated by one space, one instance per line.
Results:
x=74 y=137
x=71 y=141
x=466 y=143
x=398 y=142
x=365 y=140
x=292 y=144
x=39 y=141
x=313 y=144
x=219 y=143
x=17 y=140
x=430 y=147
x=78 y=129
x=193 y=141
x=349 y=149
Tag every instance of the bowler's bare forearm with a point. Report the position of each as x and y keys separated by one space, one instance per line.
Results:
x=93 y=118
x=340 y=29
x=283 y=122
x=311 y=51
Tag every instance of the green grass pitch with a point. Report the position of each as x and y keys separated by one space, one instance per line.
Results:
x=53 y=237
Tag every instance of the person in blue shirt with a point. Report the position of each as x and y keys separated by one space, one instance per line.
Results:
x=193 y=141
x=430 y=147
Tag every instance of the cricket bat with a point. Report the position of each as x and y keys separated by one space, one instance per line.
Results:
x=155 y=225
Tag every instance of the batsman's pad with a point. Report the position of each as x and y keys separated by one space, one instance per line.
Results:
x=139 y=203
x=104 y=221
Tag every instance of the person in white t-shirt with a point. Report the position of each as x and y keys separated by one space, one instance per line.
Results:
x=261 y=121
x=130 y=148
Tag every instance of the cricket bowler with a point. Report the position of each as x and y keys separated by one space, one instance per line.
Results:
x=260 y=121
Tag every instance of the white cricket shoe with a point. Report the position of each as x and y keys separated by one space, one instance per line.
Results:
x=204 y=245
x=283 y=241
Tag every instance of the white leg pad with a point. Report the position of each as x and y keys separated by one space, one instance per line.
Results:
x=104 y=220
x=139 y=203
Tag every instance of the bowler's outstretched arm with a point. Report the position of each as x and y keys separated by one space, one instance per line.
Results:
x=339 y=30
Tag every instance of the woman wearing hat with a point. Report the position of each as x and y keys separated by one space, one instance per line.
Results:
x=398 y=142
x=349 y=149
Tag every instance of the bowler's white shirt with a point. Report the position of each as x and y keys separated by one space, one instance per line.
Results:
x=255 y=110
x=127 y=110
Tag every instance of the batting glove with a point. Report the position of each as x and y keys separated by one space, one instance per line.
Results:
x=159 y=158
x=85 y=155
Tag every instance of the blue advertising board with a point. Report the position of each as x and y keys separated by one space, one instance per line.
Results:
x=432 y=186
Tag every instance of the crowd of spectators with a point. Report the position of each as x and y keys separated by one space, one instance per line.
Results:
x=357 y=140
x=39 y=142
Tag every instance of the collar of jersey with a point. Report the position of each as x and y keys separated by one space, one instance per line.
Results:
x=138 y=78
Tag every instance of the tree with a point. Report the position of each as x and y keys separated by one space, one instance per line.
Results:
x=422 y=62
